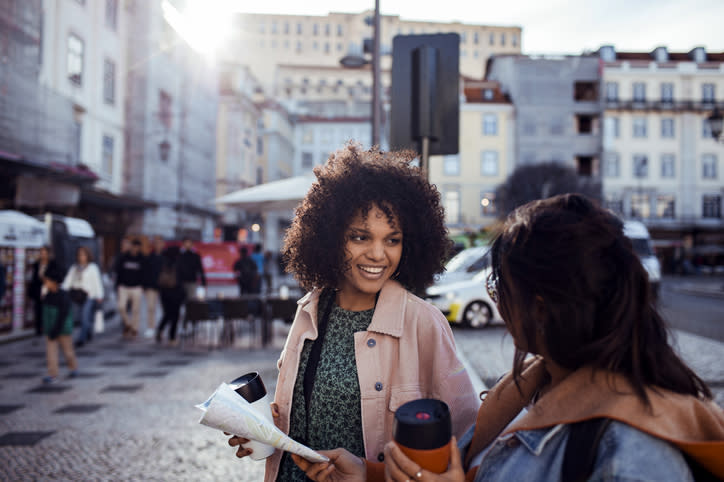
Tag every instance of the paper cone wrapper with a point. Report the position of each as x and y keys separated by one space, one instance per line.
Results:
x=226 y=410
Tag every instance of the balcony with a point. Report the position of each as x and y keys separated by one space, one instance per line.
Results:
x=661 y=106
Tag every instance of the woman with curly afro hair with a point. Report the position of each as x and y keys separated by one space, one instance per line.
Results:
x=369 y=233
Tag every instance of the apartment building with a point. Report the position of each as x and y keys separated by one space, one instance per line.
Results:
x=467 y=180
x=316 y=137
x=660 y=162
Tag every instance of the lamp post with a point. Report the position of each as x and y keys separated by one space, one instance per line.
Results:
x=715 y=124
x=357 y=61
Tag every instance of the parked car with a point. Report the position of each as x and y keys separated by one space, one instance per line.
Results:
x=465 y=302
x=464 y=265
x=641 y=241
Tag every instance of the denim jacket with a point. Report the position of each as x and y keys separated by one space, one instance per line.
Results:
x=624 y=454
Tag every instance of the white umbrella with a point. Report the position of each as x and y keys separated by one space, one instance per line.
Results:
x=271 y=196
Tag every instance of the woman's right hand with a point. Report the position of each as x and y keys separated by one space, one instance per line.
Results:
x=236 y=441
x=399 y=468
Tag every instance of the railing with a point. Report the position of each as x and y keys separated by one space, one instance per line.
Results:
x=662 y=105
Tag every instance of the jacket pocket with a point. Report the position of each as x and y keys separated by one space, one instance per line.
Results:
x=401 y=395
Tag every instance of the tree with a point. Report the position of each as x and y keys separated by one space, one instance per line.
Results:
x=539 y=181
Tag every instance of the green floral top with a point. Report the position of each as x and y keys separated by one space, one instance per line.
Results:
x=335 y=415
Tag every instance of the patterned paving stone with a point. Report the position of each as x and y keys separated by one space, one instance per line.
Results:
x=174 y=363
x=140 y=354
x=6 y=363
x=34 y=354
x=116 y=363
x=22 y=375
x=23 y=438
x=84 y=374
x=6 y=409
x=80 y=409
x=50 y=389
x=151 y=374
x=88 y=354
x=122 y=388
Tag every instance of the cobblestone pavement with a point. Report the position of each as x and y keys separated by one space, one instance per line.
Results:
x=490 y=352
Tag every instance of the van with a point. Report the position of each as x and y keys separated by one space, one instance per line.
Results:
x=65 y=235
x=641 y=240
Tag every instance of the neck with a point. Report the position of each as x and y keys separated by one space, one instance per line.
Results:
x=355 y=301
x=557 y=374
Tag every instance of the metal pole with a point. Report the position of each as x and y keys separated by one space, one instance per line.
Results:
x=425 y=157
x=376 y=108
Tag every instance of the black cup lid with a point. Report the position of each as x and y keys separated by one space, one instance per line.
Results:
x=422 y=424
x=249 y=386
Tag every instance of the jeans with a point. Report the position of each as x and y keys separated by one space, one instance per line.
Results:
x=85 y=312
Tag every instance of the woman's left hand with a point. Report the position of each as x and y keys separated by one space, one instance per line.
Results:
x=342 y=466
x=399 y=468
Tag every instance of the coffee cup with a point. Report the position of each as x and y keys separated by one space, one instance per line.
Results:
x=423 y=429
x=252 y=389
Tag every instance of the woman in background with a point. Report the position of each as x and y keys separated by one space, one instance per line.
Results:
x=85 y=288
x=35 y=288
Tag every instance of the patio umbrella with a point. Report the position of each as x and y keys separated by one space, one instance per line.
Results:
x=271 y=196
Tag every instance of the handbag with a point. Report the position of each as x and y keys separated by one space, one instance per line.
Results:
x=78 y=296
x=99 y=324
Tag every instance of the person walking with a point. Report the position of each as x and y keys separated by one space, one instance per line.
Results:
x=258 y=257
x=85 y=288
x=36 y=289
x=172 y=294
x=57 y=324
x=151 y=272
x=268 y=274
x=190 y=269
x=129 y=279
x=369 y=234
x=245 y=270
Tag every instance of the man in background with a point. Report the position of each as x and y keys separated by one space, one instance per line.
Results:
x=151 y=272
x=129 y=280
x=190 y=269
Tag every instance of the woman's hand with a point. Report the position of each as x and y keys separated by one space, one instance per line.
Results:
x=239 y=441
x=399 y=468
x=342 y=466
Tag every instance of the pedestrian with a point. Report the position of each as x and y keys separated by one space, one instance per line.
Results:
x=85 y=288
x=57 y=324
x=190 y=269
x=35 y=287
x=151 y=272
x=258 y=257
x=606 y=397
x=245 y=270
x=369 y=233
x=267 y=273
x=129 y=279
x=172 y=294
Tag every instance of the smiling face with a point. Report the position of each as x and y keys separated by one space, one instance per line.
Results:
x=373 y=246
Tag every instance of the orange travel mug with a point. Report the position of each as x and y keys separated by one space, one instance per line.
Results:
x=422 y=430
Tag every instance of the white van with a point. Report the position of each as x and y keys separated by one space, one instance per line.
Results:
x=641 y=241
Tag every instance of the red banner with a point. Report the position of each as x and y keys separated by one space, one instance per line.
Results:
x=218 y=259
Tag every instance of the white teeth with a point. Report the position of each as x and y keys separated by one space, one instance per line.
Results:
x=371 y=269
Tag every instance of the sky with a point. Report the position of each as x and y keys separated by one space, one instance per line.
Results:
x=551 y=26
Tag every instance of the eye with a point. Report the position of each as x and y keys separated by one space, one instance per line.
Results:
x=357 y=237
x=394 y=241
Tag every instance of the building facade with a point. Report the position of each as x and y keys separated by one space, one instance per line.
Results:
x=467 y=180
x=660 y=162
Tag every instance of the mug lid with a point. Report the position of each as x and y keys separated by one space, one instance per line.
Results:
x=422 y=424
x=249 y=386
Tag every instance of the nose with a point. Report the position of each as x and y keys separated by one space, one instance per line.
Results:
x=376 y=251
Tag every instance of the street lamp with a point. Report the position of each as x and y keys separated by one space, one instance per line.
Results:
x=357 y=61
x=715 y=123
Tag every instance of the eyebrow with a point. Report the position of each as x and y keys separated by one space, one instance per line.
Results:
x=353 y=229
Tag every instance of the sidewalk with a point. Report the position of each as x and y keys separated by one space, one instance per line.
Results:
x=701 y=285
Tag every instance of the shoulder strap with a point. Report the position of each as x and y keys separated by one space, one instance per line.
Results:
x=582 y=449
x=310 y=371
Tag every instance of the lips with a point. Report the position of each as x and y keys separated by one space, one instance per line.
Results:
x=371 y=270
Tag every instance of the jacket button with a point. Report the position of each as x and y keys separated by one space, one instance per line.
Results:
x=371 y=342
x=381 y=457
x=378 y=386
x=513 y=442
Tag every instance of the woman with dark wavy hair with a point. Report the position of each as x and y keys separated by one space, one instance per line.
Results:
x=573 y=293
x=369 y=233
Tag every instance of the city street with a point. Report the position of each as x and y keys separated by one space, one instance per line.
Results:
x=131 y=414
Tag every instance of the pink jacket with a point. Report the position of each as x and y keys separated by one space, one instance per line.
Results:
x=408 y=352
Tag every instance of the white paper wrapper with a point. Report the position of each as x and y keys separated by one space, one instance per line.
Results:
x=228 y=411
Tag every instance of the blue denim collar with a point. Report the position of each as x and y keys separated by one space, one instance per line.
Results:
x=536 y=440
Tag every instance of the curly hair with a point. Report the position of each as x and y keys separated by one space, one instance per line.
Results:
x=353 y=181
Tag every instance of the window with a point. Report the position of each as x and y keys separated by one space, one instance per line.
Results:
x=476 y=38
x=667 y=127
x=612 y=91
x=107 y=155
x=667 y=92
x=451 y=202
x=491 y=40
x=487 y=204
x=326 y=47
x=668 y=166
x=80 y=2
x=614 y=203
x=75 y=59
x=708 y=166
x=164 y=108
x=307 y=161
x=514 y=40
x=611 y=165
x=299 y=29
x=77 y=139
x=639 y=92
x=340 y=30
x=451 y=165
x=307 y=135
x=585 y=91
x=490 y=124
x=112 y=14
x=707 y=93
x=109 y=81
x=315 y=29
x=286 y=28
x=612 y=126
x=640 y=166
x=665 y=204
x=585 y=165
x=639 y=127
x=585 y=123
x=463 y=37
x=274 y=27
x=489 y=163
x=640 y=206
x=711 y=206
x=502 y=39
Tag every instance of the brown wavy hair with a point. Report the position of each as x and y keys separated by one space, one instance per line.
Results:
x=570 y=257
x=352 y=181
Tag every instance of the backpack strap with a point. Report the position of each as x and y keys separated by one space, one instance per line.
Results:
x=582 y=449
